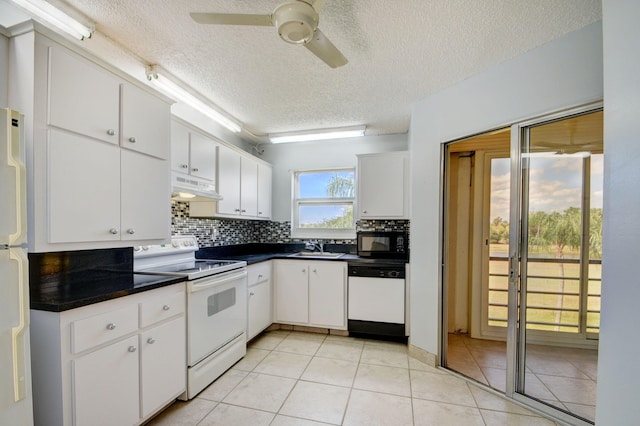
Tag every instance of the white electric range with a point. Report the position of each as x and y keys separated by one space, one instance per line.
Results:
x=216 y=306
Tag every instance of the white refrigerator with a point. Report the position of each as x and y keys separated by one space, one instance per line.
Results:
x=16 y=406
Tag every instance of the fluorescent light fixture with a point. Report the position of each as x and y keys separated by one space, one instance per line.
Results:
x=315 y=135
x=177 y=93
x=48 y=13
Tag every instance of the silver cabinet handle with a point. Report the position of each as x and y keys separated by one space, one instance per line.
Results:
x=184 y=166
x=111 y=326
x=151 y=340
x=243 y=211
x=195 y=169
x=113 y=231
x=131 y=231
x=304 y=270
x=236 y=210
x=259 y=276
x=166 y=307
x=259 y=213
x=252 y=294
x=364 y=211
x=132 y=139
x=132 y=349
x=315 y=271
x=111 y=132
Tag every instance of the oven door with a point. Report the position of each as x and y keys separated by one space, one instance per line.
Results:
x=216 y=312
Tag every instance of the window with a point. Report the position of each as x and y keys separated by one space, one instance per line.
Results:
x=323 y=203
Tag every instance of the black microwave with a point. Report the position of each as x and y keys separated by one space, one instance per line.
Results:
x=383 y=244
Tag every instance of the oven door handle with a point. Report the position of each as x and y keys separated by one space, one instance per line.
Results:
x=217 y=280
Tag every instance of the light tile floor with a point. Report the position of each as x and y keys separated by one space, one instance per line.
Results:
x=295 y=378
x=563 y=377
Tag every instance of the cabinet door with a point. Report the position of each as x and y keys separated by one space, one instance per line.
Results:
x=264 y=191
x=146 y=197
x=228 y=181
x=203 y=157
x=106 y=387
x=248 y=187
x=163 y=364
x=259 y=308
x=327 y=290
x=382 y=186
x=179 y=147
x=84 y=189
x=291 y=292
x=83 y=97
x=145 y=122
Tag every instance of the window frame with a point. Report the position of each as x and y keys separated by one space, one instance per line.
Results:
x=296 y=202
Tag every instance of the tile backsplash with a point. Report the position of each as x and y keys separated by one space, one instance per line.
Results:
x=224 y=232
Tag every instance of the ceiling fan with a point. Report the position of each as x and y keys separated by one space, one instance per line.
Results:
x=296 y=21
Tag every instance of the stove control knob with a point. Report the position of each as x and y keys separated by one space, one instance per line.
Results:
x=175 y=244
x=145 y=248
x=138 y=248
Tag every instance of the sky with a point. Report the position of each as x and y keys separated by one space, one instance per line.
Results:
x=555 y=184
x=314 y=185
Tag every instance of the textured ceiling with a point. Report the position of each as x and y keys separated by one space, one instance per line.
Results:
x=399 y=52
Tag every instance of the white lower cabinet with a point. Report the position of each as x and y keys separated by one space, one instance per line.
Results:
x=105 y=385
x=259 y=300
x=162 y=365
x=311 y=293
x=93 y=366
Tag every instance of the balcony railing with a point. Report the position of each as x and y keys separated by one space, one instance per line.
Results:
x=553 y=294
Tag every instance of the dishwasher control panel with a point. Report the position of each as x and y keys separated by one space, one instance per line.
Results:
x=377 y=271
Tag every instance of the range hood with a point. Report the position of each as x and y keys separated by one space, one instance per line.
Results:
x=191 y=188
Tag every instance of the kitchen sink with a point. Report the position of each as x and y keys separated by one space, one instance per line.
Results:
x=316 y=255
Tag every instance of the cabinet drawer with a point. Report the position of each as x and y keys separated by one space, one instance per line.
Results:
x=161 y=307
x=93 y=331
x=258 y=272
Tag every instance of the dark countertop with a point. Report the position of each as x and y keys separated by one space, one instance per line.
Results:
x=257 y=252
x=60 y=281
x=81 y=291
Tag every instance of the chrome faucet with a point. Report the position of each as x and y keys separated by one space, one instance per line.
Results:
x=315 y=244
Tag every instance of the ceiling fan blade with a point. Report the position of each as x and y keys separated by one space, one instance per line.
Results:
x=232 y=19
x=316 y=4
x=320 y=46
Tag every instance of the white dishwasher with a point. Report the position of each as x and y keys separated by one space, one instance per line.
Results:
x=376 y=299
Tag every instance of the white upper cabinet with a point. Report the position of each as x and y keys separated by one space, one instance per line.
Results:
x=240 y=183
x=146 y=197
x=82 y=97
x=203 y=157
x=264 y=191
x=192 y=152
x=229 y=181
x=179 y=147
x=248 y=187
x=84 y=189
x=98 y=151
x=145 y=122
x=383 y=186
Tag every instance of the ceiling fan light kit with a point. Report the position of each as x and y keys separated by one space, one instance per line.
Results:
x=296 y=22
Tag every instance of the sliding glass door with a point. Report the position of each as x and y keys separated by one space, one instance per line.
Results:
x=555 y=260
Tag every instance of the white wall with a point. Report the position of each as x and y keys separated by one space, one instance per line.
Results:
x=618 y=401
x=558 y=75
x=287 y=157
x=4 y=70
